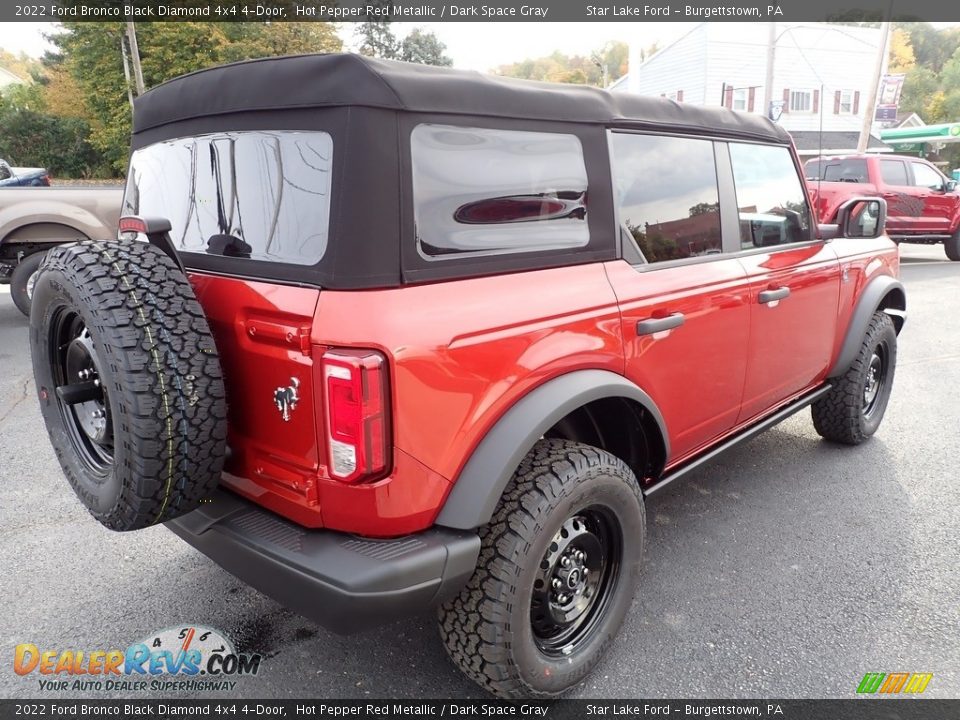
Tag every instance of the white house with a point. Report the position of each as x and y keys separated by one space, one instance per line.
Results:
x=821 y=75
x=8 y=78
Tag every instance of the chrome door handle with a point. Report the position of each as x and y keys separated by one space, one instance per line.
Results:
x=655 y=325
x=769 y=296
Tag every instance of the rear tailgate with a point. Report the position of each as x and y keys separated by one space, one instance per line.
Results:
x=262 y=333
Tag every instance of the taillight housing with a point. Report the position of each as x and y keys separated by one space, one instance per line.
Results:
x=356 y=396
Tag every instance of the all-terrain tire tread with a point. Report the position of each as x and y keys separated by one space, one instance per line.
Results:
x=474 y=625
x=838 y=415
x=167 y=378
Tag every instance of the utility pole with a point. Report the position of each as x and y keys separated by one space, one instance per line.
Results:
x=126 y=71
x=771 y=57
x=870 y=109
x=135 y=57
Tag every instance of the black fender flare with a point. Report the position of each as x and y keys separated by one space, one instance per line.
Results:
x=871 y=299
x=478 y=488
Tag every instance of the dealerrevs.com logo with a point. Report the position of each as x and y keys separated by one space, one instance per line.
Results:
x=192 y=658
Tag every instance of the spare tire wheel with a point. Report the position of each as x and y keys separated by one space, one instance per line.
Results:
x=129 y=380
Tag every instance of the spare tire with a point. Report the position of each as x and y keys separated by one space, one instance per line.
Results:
x=129 y=380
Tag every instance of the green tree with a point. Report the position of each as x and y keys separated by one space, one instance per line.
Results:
x=91 y=54
x=376 y=39
x=425 y=48
x=579 y=69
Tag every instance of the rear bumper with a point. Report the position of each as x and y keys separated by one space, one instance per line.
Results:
x=342 y=582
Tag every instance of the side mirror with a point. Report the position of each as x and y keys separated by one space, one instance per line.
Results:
x=862 y=217
x=951 y=185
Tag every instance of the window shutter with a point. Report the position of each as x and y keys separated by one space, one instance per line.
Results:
x=786 y=100
x=816 y=101
x=728 y=97
x=836 y=103
x=751 y=97
x=679 y=95
x=856 y=103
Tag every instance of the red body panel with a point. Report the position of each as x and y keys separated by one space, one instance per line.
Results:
x=695 y=372
x=911 y=210
x=791 y=340
x=459 y=362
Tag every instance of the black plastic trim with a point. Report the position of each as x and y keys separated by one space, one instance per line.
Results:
x=870 y=299
x=343 y=582
x=481 y=482
x=748 y=434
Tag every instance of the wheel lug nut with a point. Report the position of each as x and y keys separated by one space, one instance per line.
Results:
x=557 y=583
x=565 y=561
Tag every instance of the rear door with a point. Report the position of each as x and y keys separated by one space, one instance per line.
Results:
x=683 y=301
x=794 y=279
x=247 y=203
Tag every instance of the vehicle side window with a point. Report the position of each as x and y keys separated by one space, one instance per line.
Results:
x=483 y=191
x=926 y=176
x=5 y=172
x=773 y=207
x=893 y=172
x=666 y=194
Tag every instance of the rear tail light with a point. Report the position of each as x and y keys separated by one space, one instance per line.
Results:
x=130 y=226
x=357 y=414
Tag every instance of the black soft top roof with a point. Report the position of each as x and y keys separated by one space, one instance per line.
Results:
x=336 y=80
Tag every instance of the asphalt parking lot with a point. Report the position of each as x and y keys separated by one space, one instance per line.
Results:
x=787 y=569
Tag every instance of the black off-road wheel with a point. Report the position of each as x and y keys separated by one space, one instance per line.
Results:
x=556 y=575
x=952 y=246
x=23 y=281
x=129 y=382
x=851 y=412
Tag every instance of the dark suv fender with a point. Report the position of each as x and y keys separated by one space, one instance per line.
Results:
x=882 y=293
x=481 y=482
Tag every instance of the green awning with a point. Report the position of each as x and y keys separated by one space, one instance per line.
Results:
x=942 y=133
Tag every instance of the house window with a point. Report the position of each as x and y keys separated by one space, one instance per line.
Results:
x=846 y=102
x=740 y=98
x=801 y=101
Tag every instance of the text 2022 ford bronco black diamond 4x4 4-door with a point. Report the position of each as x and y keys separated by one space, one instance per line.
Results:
x=377 y=337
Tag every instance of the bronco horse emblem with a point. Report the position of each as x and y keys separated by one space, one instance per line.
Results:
x=286 y=398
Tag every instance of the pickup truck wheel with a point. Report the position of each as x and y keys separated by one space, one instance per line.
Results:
x=557 y=572
x=952 y=246
x=851 y=412
x=129 y=381
x=23 y=279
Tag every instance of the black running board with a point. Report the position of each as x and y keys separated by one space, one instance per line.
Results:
x=746 y=434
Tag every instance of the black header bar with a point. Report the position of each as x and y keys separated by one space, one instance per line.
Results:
x=219 y=709
x=480 y=11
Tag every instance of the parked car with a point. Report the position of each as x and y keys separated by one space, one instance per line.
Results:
x=32 y=220
x=421 y=308
x=923 y=205
x=21 y=176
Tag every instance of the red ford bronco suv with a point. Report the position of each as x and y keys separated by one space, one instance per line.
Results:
x=396 y=336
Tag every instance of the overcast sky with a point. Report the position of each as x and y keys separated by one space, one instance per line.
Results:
x=477 y=46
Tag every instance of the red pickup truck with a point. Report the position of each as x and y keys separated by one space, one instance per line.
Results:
x=923 y=206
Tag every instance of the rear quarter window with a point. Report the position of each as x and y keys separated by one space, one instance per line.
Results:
x=255 y=195
x=482 y=191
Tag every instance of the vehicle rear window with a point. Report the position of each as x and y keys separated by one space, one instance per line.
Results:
x=256 y=195
x=482 y=191
x=667 y=196
x=851 y=170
